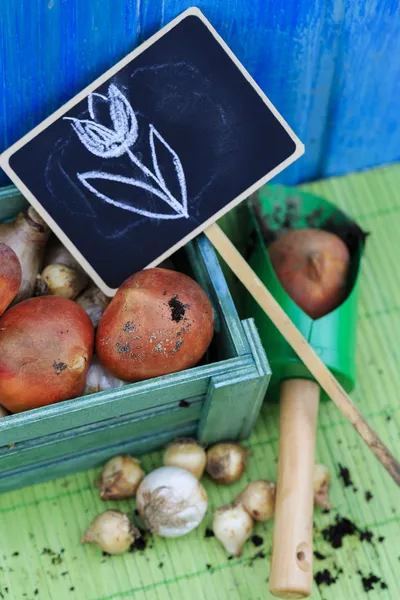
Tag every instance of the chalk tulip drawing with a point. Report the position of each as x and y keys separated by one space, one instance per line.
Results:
x=105 y=143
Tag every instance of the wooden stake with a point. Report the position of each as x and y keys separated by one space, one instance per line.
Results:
x=291 y=574
x=320 y=372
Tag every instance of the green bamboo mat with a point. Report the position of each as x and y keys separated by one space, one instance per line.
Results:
x=40 y=527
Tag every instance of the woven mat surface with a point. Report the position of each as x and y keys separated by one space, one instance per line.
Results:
x=40 y=527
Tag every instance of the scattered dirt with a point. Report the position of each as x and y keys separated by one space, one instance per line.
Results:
x=123 y=348
x=257 y=540
x=342 y=527
x=178 y=309
x=286 y=217
x=141 y=542
x=370 y=581
x=178 y=344
x=335 y=533
x=344 y=474
x=325 y=577
x=366 y=536
x=59 y=367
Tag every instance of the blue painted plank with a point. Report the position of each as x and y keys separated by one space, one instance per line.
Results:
x=330 y=66
x=363 y=127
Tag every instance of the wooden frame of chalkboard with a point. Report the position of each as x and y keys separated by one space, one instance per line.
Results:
x=19 y=155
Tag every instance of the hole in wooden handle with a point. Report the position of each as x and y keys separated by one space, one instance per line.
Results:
x=303 y=557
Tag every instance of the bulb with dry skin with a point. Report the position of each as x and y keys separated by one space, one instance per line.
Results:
x=27 y=236
x=312 y=266
x=112 y=531
x=226 y=462
x=321 y=486
x=187 y=454
x=94 y=302
x=62 y=275
x=46 y=346
x=99 y=380
x=10 y=276
x=60 y=280
x=232 y=526
x=258 y=498
x=171 y=501
x=159 y=322
x=120 y=478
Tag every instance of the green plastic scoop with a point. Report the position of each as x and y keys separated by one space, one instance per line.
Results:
x=333 y=337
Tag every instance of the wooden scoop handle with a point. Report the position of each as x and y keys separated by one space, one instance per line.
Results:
x=306 y=353
x=291 y=573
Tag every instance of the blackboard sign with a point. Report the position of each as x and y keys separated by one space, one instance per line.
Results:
x=152 y=152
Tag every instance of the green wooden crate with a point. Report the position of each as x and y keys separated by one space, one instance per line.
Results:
x=223 y=395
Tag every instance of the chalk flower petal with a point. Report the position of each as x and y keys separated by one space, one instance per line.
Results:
x=103 y=141
x=122 y=115
x=96 y=138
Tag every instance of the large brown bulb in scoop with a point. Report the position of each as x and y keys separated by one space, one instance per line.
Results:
x=159 y=322
x=46 y=346
x=312 y=266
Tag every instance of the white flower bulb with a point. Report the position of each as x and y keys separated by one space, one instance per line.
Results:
x=112 y=531
x=120 y=478
x=187 y=454
x=258 y=498
x=232 y=526
x=171 y=501
x=226 y=462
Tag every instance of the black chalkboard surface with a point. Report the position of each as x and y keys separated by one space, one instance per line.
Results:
x=152 y=152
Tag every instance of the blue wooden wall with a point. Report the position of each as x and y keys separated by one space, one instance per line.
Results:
x=332 y=67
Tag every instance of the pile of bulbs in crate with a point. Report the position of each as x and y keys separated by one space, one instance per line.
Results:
x=160 y=321
x=171 y=501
